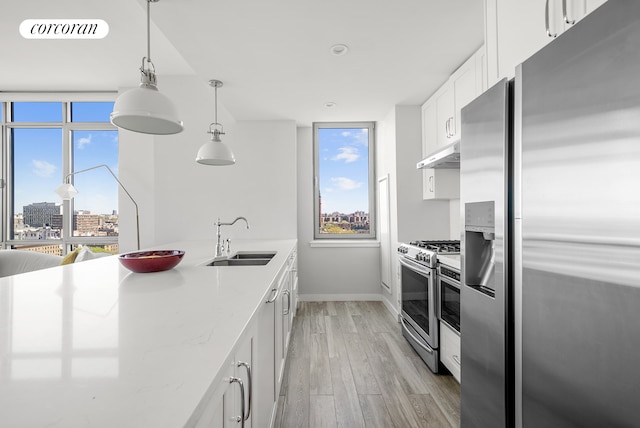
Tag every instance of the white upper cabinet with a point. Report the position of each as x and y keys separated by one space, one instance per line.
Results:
x=441 y=123
x=429 y=127
x=441 y=112
x=465 y=90
x=445 y=115
x=516 y=29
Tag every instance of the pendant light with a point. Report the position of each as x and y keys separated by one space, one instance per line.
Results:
x=144 y=109
x=215 y=152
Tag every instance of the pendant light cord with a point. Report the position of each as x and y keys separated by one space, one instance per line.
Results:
x=213 y=127
x=148 y=30
x=216 y=104
x=148 y=70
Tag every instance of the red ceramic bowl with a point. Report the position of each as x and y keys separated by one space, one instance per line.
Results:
x=151 y=261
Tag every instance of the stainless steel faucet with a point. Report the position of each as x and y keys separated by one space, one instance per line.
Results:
x=219 y=243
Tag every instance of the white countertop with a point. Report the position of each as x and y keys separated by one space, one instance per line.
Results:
x=452 y=260
x=95 y=345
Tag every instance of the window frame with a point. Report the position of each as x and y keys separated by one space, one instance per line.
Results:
x=67 y=241
x=372 y=234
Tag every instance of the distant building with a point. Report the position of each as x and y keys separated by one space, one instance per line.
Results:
x=18 y=221
x=40 y=214
x=358 y=222
x=55 y=249
x=83 y=224
x=37 y=233
x=86 y=224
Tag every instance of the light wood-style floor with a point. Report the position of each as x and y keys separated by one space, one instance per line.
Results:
x=349 y=366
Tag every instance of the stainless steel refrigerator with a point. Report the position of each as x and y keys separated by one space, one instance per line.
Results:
x=550 y=196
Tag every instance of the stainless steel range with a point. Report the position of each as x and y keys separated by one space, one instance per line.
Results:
x=418 y=263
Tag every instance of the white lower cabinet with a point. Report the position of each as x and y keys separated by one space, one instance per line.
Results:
x=282 y=325
x=265 y=363
x=249 y=384
x=231 y=404
x=450 y=349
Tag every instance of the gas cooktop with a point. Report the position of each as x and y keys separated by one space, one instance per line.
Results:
x=426 y=252
x=440 y=247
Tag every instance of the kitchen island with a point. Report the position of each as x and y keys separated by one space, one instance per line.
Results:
x=94 y=345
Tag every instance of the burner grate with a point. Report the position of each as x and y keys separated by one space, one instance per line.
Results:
x=438 y=246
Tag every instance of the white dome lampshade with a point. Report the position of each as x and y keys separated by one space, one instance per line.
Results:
x=215 y=152
x=146 y=110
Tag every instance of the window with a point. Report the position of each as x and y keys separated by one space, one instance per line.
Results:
x=42 y=142
x=344 y=174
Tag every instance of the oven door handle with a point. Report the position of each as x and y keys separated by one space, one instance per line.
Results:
x=418 y=341
x=416 y=267
x=449 y=281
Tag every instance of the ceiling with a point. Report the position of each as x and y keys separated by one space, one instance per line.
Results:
x=272 y=55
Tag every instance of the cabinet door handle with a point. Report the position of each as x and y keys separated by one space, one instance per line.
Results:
x=546 y=20
x=248 y=367
x=239 y=418
x=288 y=294
x=565 y=15
x=456 y=359
x=431 y=183
x=452 y=127
x=275 y=294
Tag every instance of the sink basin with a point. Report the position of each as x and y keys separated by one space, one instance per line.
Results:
x=243 y=255
x=245 y=258
x=239 y=262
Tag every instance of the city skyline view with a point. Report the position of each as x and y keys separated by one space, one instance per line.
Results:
x=343 y=157
x=38 y=156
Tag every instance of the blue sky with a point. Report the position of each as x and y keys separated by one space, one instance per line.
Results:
x=38 y=158
x=344 y=169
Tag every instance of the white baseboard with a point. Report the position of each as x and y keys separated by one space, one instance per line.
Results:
x=350 y=298
x=339 y=297
x=392 y=309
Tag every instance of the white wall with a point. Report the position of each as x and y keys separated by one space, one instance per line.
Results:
x=336 y=273
x=455 y=219
x=411 y=217
x=180 y=199
x=386 y=165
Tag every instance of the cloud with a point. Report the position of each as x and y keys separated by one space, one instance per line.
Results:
x=348 y=154
x=83 y=142
x=358 y=137
x=344 y=183
x=43 y=168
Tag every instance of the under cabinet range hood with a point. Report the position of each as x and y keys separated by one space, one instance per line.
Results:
x=447 y=157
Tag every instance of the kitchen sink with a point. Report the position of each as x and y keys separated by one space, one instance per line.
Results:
x=239 y=262
x=243 y=255
x=245 y=258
